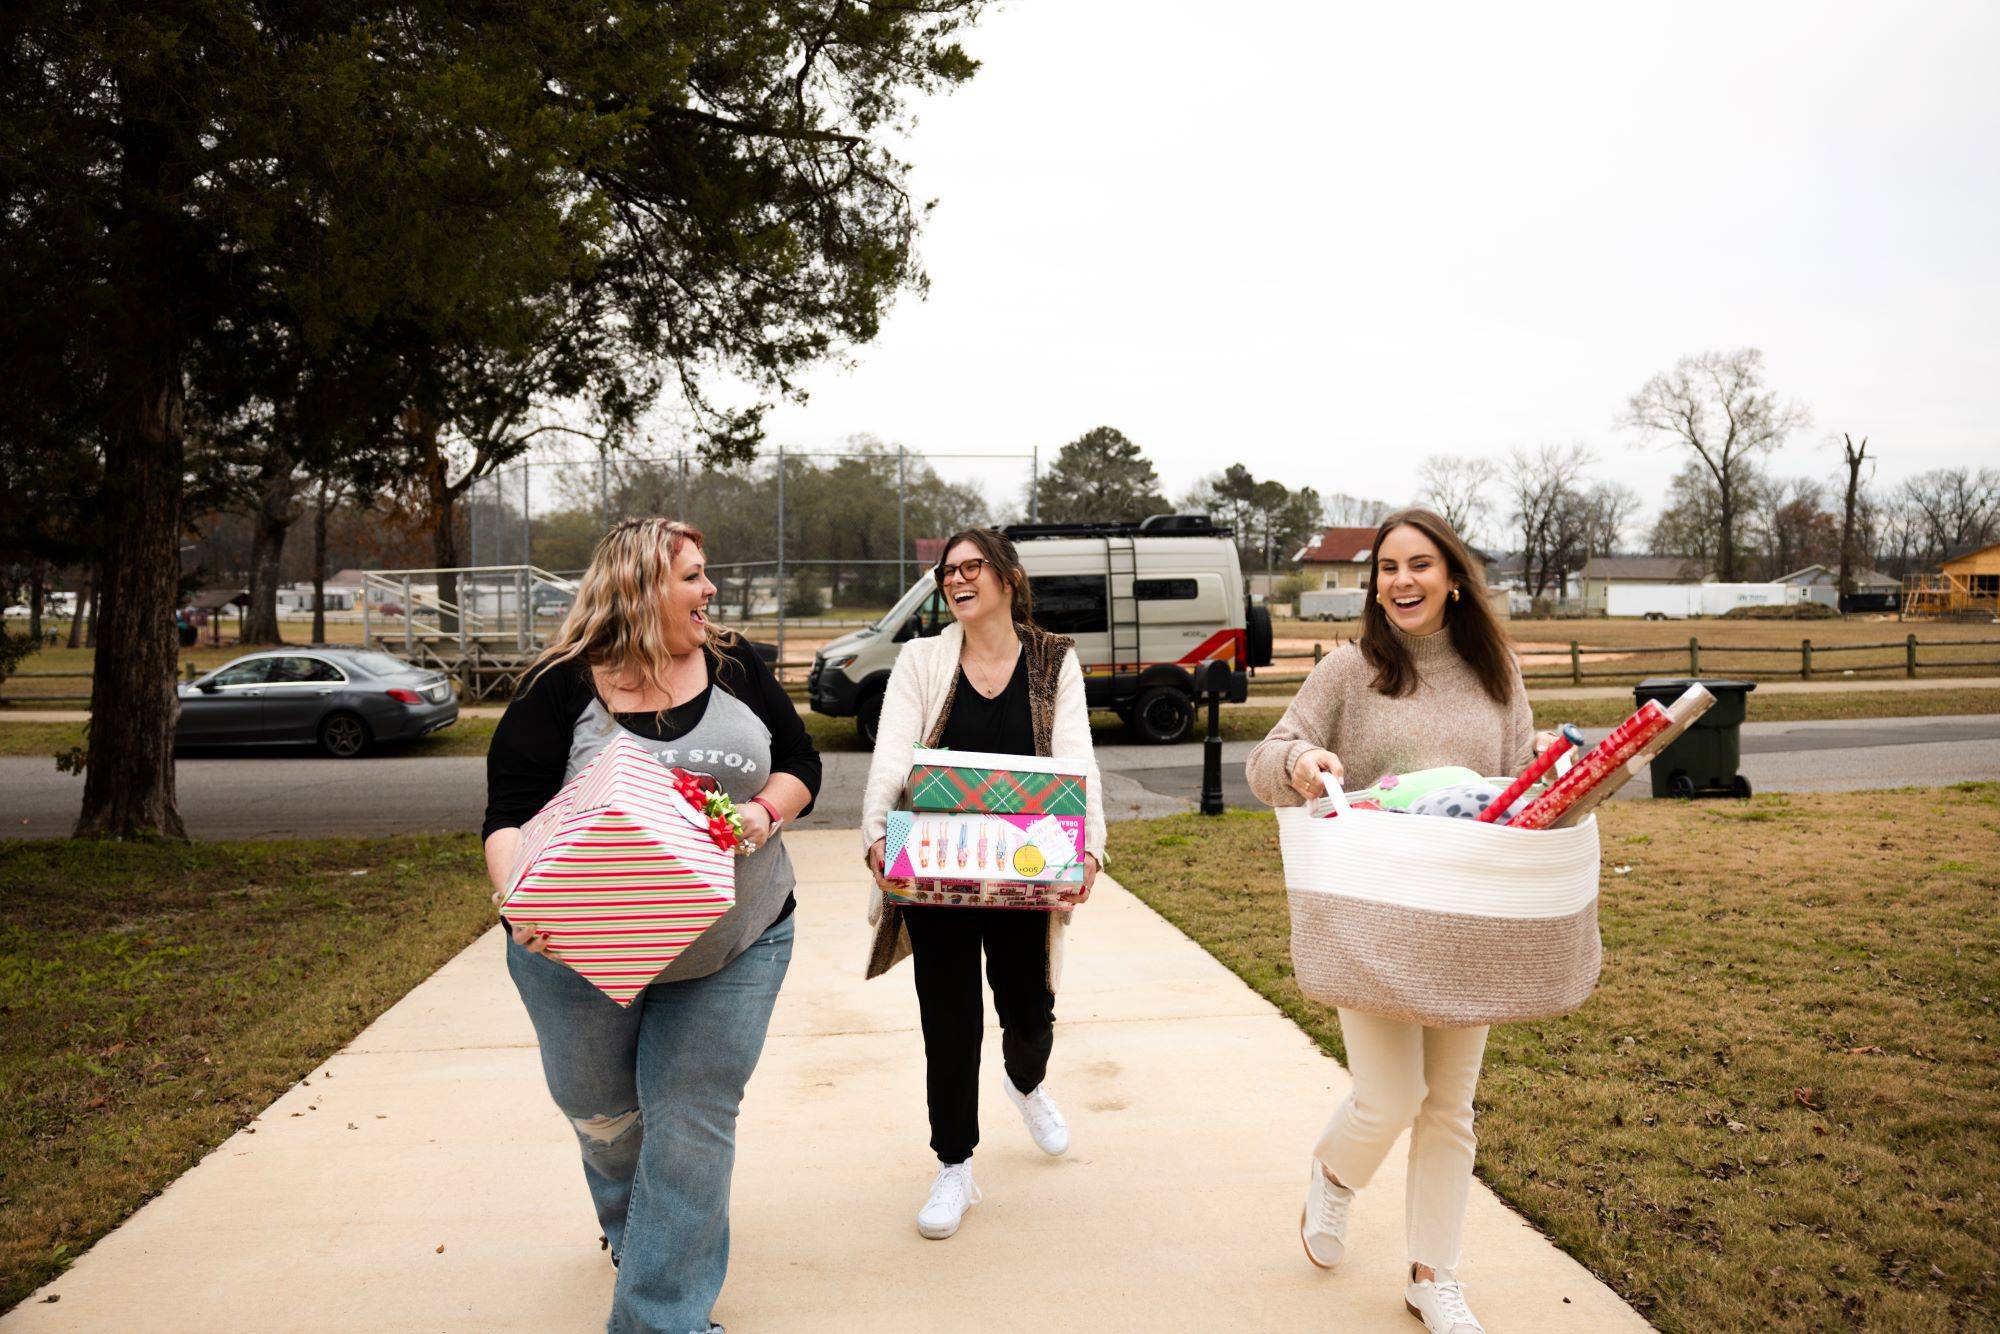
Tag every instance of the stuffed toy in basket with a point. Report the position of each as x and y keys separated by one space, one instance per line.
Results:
x=623 y=870
x=1446 y=923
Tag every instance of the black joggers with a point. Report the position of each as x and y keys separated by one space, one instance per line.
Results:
x=946 y=943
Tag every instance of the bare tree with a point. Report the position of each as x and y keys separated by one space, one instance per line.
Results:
x=1345 y=511
x=1855 y=456
x=1545 y=486
x=1609 y=508
x=1954 y=507
x=1456 y=488
x=1716 y=405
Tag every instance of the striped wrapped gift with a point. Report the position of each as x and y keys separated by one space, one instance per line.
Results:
x=972 y=780
x=620 y=872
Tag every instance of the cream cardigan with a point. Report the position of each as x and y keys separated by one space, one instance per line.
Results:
x=917 y=689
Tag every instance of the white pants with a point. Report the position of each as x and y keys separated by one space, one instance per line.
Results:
x=1423 y=1078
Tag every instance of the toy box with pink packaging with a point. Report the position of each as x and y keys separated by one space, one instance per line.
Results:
x=972 y=859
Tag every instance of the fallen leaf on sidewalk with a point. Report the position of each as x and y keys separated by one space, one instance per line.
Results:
x=440 y=1249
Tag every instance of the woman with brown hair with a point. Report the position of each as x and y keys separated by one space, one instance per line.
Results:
x=652 y=1089
x=1431 y=682
x=990 y=681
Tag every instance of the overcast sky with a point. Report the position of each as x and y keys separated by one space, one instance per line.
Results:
x=1330 y=239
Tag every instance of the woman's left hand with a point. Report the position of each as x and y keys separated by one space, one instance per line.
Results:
x=756 y=826
x=1543 y=740
x=1090 y=869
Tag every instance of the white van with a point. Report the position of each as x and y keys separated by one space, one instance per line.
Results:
x=1147 y=604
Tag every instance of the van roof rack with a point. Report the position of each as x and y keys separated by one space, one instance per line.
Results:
x=1158 y=525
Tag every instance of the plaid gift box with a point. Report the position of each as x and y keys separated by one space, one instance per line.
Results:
x=620 y=872
x=971 y=780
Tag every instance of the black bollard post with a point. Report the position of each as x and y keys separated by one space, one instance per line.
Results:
x=1211 y=747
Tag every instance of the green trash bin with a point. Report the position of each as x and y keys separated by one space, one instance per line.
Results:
x=1702 y=760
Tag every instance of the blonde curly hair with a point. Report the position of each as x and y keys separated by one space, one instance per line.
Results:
x=617 y=625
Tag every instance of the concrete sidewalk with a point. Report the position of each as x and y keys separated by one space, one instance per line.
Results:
x=421 y=1179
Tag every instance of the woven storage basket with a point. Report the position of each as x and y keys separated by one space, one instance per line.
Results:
x=1446 y=923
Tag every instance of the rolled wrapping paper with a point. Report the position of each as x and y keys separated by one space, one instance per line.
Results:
x=1607 y=758
x=1694 y=702
x=1567 y=738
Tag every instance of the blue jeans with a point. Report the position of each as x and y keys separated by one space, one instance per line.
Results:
x=652 y=1092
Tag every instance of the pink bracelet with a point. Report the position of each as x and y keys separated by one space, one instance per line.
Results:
x=772 y=811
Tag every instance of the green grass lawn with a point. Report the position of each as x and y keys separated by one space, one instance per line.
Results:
x=1781 y=1108
x=156 y=997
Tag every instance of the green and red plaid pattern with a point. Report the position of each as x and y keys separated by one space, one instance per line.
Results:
x=940 y=787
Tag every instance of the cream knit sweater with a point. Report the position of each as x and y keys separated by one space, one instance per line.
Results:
x=1448 y=719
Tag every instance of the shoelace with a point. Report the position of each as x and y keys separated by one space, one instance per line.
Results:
x=954 y=1189
x=1042 y=1114
x=1451 y=1302
x=1333 y=1204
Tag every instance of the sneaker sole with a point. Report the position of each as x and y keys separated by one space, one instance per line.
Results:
x=1309 y=1250
x=930 y=1234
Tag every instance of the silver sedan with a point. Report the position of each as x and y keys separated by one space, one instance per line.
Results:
x=341 y=700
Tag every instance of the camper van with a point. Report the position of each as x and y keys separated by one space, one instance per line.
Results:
x=1148 y=604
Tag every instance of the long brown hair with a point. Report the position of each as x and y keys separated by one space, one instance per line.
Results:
x=615 y=625
x=998 y=549
x=1468 y=618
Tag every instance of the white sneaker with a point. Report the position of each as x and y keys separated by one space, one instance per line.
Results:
x=951 y=1195
x=1044 y=1118
x=1440 y=1304
x=1323 y=1222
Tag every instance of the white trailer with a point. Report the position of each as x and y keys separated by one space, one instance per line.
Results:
x=1655 y=602
x=1331 y=604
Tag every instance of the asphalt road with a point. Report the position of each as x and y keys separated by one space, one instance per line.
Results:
x=269 y=796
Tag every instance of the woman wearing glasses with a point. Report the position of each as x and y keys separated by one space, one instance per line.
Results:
x=992 y=681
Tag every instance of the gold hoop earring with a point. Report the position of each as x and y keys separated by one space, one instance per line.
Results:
x=1381 y=601
x=1454 y=595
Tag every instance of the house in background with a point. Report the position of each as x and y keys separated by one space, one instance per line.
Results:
x=1600 y=572
x=1339 y=557
x=1967 y=581
x=1873 y=590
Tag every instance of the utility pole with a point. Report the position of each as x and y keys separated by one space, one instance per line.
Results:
x=681 y=459
x=1035 y=485
x=902 y=495
x=527 y=525
x=781 y=555
x=604 y=487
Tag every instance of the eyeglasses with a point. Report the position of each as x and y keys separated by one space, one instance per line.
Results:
x=968 y=570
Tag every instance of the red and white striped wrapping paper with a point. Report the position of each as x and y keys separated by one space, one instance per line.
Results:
x=1605 y=758
x=620 y=872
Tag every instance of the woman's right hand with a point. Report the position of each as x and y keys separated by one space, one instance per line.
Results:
x=529 y=939
x=876 y=851
x=1308 y=768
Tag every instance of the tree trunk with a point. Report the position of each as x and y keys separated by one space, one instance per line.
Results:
x=37 y=590
x=1854 y=458
x=1725 y=559
x=319 y=568
x=97 y=600
x=269 y=527
x=128 y=786
x=77 y=613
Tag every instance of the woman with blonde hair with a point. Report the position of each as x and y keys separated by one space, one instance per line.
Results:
x=652 y=1090
x=1430 y=682
x=991 y=681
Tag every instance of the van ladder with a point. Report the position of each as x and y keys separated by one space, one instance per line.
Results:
x=1121 y=566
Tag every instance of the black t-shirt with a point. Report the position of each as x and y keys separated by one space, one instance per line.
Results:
x=1001 y=724
x=530 y=748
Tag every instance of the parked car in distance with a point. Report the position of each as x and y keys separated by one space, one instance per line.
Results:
x=342 y=700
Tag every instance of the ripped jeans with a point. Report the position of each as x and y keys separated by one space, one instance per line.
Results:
x=653 y=1092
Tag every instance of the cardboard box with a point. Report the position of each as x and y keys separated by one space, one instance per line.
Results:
x=972 y=780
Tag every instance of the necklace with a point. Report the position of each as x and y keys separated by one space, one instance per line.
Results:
x=1000 y=680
